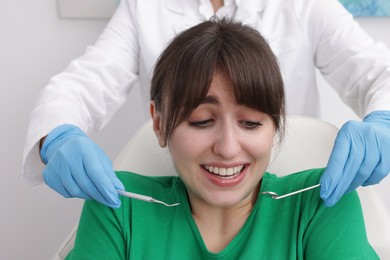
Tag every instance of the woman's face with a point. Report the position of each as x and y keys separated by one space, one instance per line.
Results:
x=222 y=149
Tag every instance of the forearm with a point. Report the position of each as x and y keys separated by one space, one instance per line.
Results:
x=88 y=93
x=354 y=64
x=40 y=146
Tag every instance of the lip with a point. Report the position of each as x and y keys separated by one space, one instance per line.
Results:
x=225 y=182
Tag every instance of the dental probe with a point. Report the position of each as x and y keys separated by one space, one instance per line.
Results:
x=144 y=198
x=274 y=195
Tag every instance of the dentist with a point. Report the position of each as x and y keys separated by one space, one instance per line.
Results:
x=304 y=35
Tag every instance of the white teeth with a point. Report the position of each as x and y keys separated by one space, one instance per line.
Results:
x=225 y=172
x=229 y=171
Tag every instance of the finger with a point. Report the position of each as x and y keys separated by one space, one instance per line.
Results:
x=380 y=172
x=86 y=182
x=74 y=173
x=99 y=170
x=72 y=176
x=52 y=179
x=353 y=163
x=369 y=163
x=335 y=166
x=382 y=169
x=107 y=165
x=352 y=166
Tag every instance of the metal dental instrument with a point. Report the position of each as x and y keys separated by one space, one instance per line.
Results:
x=144 y=198
x=275 y=196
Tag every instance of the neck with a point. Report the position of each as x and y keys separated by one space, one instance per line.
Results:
x=216 y=4
x=218 y=226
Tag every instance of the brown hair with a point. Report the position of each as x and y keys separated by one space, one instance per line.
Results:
x=184 y=71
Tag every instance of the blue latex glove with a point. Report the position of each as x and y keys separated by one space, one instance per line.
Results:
x=360 y=156
x=77 y=167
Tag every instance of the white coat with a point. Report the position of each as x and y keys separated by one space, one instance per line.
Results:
x=304 y=34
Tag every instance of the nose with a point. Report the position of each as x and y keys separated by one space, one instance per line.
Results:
x=227 y=144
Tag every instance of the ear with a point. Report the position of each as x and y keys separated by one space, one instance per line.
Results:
x=157 y=124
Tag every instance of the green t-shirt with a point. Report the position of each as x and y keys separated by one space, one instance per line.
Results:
x=296 y=227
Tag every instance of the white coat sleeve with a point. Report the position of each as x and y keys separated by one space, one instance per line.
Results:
x=89 y=91
x=356 y=66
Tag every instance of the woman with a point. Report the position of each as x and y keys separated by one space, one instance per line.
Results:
x=217 y=104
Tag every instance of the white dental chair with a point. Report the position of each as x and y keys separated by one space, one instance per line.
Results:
x=298 y=151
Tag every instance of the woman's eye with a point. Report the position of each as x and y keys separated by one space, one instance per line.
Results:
x=250 y=124
x=203 y=123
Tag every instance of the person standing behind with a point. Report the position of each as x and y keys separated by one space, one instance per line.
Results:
x=304 y=34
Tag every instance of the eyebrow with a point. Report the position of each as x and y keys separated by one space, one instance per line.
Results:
x=209 y=99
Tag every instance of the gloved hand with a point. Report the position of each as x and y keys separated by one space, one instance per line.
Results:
x=77 y=167
x=360 y=156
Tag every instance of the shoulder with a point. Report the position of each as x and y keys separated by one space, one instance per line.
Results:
x=325 y=232
x=307 y=202
x=147 y=185
x=293 y=181
x=310 y=198
x=131 y=179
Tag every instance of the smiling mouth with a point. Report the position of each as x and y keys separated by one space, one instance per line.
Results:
x=224 y=172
